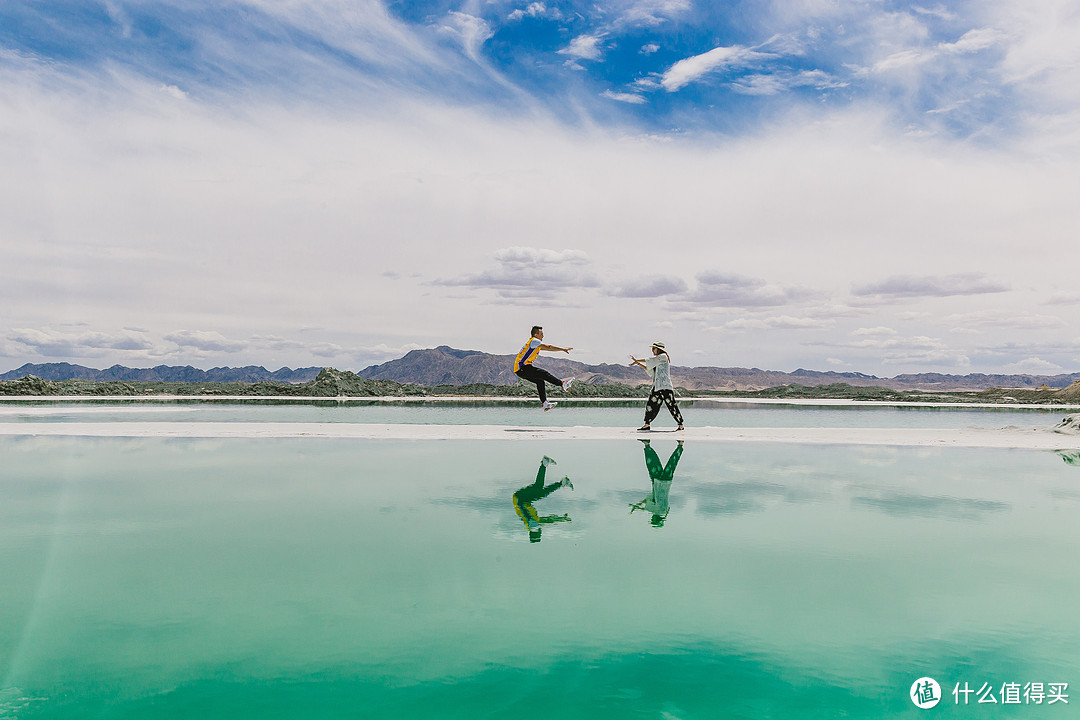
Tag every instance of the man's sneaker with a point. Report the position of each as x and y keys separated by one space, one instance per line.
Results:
x=565 y=482
x=548 y=461
x=548 y=405
x=566 y=383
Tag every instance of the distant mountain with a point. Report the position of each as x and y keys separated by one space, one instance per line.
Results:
x=448 y=366
x=162 y=373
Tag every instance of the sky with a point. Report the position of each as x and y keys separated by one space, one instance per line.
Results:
x=849 y=185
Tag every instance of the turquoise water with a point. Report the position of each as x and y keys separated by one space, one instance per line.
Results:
x=362 y=579
x=707 y=413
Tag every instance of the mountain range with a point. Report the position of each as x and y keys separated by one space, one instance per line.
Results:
x=162 y=373
x=444 y=365
x=448 y=366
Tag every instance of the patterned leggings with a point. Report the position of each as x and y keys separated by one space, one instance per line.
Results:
x=666 y=397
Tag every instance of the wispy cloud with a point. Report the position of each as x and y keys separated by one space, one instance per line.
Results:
x=650 y=286
x=776 y=83
x=893 y=348
x=1033 y=366
x=780 y=322
x=59 y=344
x=535 y=10
x=471 y=31
x=528 y=273
x=723 y=290
x=205 y=340
x=650 y=13
x=693 y=68
x=1069 y=298
x=583 y=47
x=632 y=98
x=972 y=41
x=1003 y=318
x=921 y=286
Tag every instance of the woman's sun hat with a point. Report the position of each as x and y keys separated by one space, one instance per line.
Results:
x=658 y=345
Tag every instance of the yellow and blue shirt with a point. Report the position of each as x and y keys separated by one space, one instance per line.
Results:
x=527 y=354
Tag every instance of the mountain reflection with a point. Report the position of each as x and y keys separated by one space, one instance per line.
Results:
x=656 y=502
x=526 y=496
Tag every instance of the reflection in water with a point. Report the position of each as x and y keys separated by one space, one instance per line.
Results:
x=526 y=496
x=1071 y=458
x=657 y=501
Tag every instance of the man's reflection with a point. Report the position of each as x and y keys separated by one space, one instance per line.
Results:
x=526 y=496
x=661 y=475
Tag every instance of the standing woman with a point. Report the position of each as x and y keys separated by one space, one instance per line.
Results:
x=662 y=390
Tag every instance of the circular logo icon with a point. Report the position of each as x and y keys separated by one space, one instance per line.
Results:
x=925 y=693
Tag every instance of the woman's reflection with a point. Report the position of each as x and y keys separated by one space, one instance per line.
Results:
x=661 y=475
x=526 y=496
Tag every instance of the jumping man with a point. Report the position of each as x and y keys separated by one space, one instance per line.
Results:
x=524 y=369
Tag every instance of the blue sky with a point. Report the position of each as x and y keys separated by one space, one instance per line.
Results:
x=666 y=66
x=834 y=184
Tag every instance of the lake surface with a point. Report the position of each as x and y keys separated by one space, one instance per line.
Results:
x=325 y=578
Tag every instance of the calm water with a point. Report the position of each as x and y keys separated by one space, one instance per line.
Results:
x=707 y=413
x=359 y=579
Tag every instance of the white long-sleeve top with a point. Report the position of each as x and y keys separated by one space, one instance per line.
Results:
x=658 y=367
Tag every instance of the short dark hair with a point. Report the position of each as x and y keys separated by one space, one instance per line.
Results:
x=536 y=329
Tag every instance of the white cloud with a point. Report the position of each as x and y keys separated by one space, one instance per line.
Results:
x=1070 y=298
x=920 y=286
x=938 y=11
x=974 y=41
x=650 y=13
x=534 y=10
x=779 y=322
x=583 y=47
x=470 y=30
x=1002 y=319
x=902 y=59
x=727 y=290
x=365 y=29
x=535 y=258
x=1033 y=366
x=529 y=274
x=648 y=83
x=205 y=340
x=60 y=344
x=174 y=92
x=879 y=331
x=631 y=98
x=649 y=48
x=892 y=349
x=693 y=68
x=779 y=82
x=650 y=286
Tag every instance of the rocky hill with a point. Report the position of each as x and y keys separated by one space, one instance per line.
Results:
x=446 y=365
